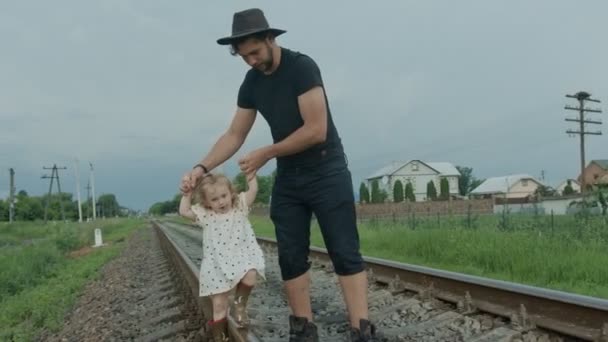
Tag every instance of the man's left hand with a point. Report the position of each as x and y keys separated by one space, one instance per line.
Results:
x=254 y=160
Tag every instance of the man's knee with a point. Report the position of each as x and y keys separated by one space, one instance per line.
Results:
x=347 y=262
x=293 y=264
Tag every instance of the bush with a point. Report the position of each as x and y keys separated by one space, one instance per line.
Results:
x=398 y=192
x=409 y=192
x=26 y=267
x=363 y=193
x=67 y=241
x=431 y=191
x=444 y=187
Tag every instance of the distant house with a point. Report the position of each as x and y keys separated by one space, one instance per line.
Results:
x=576 y=186
x=418 y=173
x=602 y=181
x=594 y=172
x=513 y=186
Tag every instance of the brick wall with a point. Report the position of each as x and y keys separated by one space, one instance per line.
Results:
x=478 y=206
x=481 y=206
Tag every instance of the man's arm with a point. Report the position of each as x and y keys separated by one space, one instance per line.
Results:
x=314 y=131
x=227 y=145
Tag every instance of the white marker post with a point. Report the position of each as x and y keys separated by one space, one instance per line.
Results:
x=98 y=239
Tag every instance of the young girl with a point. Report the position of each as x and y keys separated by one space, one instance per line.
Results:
x=231 y=254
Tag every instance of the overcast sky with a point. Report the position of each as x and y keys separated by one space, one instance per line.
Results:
x=142 y=90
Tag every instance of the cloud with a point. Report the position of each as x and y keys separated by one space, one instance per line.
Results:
x=134 y=86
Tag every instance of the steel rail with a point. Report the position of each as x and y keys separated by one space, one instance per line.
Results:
x=527 y=306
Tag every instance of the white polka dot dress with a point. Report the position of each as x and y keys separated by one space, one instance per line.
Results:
x=230 y=249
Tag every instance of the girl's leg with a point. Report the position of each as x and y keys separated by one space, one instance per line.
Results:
x=241 y=295
x=219 y=325
x=249 y=278
x=220 y=305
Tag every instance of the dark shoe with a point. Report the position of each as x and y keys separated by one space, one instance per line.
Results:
x=301 y=330
x=366 y=333
x=219 y=330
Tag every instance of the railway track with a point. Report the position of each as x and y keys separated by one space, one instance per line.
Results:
x=409 y=303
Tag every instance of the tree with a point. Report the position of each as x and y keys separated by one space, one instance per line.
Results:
x=156 y=209
x=444 y=187
x=167 y=207
x=475 y=183
x=30 y=209
x=175 y=202
x=568 y=190
x=108 y=205
x=376 y=196
x=544 y=191
x=431 y=191
x=467 y=182
x=464 y=182
x=603 y=201
x=409 y=192
x=240 y=182
x=398 y=192
x=4 y=210
x=53 y=204
x=363 y=193
x=383 y=196
x=265 y=184
x=87 y=211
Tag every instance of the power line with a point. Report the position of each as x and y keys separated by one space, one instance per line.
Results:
x=582 y=98
x=54 y=174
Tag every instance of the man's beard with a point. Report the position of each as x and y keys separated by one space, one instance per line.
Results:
x=267 y=64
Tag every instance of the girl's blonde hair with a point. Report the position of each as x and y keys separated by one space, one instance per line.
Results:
x=209 y=180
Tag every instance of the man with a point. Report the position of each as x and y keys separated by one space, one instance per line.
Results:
x=312 y=174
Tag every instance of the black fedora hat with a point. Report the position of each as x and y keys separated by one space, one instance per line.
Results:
x=248 y=22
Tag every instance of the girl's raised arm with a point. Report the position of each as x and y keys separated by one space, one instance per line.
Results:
x=185 y=207
x=252 y=181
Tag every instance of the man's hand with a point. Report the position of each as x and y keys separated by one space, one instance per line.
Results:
x=195 y=175
x=254 y=160
x=189 y=180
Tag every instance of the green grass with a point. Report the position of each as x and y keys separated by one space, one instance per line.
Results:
x=40 y=282
x=569 y=259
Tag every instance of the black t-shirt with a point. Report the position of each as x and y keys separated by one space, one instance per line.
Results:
x=275 y=96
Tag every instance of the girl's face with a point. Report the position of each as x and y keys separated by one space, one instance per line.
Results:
x=219 y=198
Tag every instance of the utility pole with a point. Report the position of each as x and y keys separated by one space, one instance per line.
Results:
x=582 y=98
x=93 y=190
x=54 y=174
x=542 y=175
x=11 y=199
x=89 y=199
x=78 y=191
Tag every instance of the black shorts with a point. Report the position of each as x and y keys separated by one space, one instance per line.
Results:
x=327 y=191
